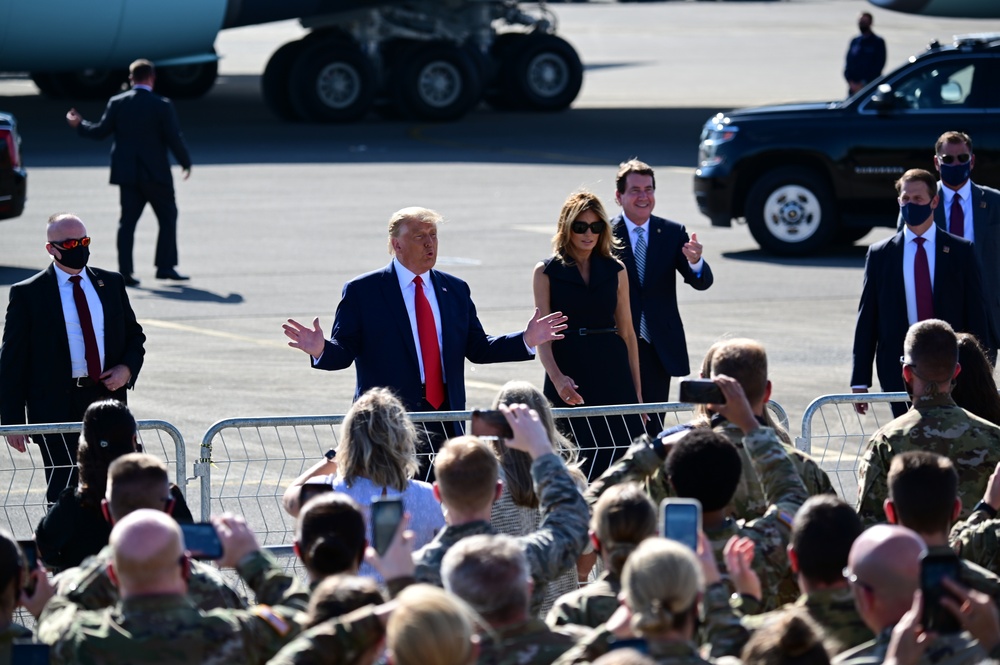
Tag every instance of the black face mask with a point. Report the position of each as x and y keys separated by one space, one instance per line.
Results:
x=76 y=258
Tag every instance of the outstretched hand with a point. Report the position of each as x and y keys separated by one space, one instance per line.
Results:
x=543 y=329
x=692 y=249
x=310 y=340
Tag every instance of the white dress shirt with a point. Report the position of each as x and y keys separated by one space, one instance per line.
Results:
x=77 y=348
x=409 y=290
x=947 y=196
x=633 y=236
x=909 y=254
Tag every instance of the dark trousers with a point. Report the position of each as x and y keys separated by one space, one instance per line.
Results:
x=133 y=200
x=59 y=450
x=431 y=435
x=655 y=382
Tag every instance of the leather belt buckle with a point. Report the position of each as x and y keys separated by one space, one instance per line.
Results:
x=84 y=382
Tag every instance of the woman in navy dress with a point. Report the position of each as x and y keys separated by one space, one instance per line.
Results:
x=597 y=362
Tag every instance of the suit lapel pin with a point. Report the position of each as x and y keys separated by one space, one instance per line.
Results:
x=100 y=282
x=444 y=289
x=946 y=249
x=982 y=204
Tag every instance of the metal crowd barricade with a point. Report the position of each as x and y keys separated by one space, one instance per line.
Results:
x=835 y=434
x=22 y=478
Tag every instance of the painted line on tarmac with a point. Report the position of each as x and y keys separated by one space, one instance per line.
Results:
x=208 y=332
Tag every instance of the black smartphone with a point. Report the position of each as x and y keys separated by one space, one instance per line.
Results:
x=30 y=549
x=202 y=540
x=29 y=654
x=386 y=514
x=680 y=520
x=490 y=423
x=933 y=569
x=310 y=490
x=701 y=391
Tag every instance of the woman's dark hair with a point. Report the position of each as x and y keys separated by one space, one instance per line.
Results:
x=339 y=594
x=624 y=516
x=975 y=390
x=331 y=535
x=108 y=433
x=791 y=640
x=12 y=567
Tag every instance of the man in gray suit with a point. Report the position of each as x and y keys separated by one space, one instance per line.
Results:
x=145 y=127
x=970 y=211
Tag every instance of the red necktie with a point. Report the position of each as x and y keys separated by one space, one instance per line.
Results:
x=956 y=223
x=429 y=351
x=87 y=325
x=922 y=282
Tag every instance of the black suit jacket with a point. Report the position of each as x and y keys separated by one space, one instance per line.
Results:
x=35 y=365
x=372 y=330
x=882 y=322
x=145 y=128
x=657 y=295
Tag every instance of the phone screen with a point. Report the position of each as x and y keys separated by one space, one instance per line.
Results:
x=310 y=490
x=386 y=515
x=490 y=423
x=30 y=549
x=202 y=540
x=933 y=569
x=701 y=391
x=680 y=520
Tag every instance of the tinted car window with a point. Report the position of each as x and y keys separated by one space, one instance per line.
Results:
x=953 y=85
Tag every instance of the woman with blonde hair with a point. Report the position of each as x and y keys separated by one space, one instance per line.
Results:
x=431 y=627
x=597 y=361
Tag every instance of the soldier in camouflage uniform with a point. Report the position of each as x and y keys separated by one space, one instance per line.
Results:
x=977 y=539
x=934 y=423
x=623 y=517
x=490 y=573
x=884 y=569
x=824 y=530
x=139 y=481
x=468 y=483
x=709 y=470
x=155 y=622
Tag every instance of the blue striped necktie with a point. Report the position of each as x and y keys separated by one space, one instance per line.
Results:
x=640 y=267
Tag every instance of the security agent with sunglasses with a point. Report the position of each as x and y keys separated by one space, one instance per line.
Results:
x=970 y=211
x=935 y=424
x=52 y=366
x=655 y=251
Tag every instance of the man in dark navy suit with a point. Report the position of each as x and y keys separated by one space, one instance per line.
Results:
x=922 y=272
x=59 y=355
x=410 y=328
x=654 y=251
x=145 y=127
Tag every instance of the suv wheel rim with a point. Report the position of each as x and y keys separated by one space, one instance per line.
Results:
x=792 y=213
x=338 y=85
x=439 y=84
x=547 y=74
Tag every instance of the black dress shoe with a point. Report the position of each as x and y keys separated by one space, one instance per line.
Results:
x=171 y=274
x=130 y=280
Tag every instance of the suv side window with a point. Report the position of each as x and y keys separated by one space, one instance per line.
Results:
x=946 y=85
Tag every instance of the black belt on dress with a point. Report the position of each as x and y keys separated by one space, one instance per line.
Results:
x=583 y=332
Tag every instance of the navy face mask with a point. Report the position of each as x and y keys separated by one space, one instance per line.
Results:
x=955 y=174
x=915 y=214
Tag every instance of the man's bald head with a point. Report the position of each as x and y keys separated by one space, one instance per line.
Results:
x=885 y=560
x=148 y=548
x=63 y=225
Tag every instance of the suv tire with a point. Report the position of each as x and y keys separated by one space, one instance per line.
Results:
x=790 y=211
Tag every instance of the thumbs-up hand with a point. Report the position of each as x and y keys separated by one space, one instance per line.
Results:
x=692 y=249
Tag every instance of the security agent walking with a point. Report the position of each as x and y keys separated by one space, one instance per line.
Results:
x=145 y=128
x=70 y=338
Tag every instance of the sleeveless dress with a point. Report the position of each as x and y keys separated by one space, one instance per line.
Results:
x=598 y=363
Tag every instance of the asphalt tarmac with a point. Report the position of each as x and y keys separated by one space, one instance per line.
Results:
x=276 y=217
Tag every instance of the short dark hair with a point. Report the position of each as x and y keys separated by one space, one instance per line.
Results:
x=108 y=432
x=824 y=530
x=141 y=70
x=923 y=487
x=931 y=347
x=625 y=169
x=623 y=517
x=331 y=534
x=705 y=465
x=920 y=175
x=137 y=481
x=339 y=594
x=952 y=137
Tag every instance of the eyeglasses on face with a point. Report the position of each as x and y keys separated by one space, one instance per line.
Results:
x=581 y=227
x=72 y=243
x=950 y=159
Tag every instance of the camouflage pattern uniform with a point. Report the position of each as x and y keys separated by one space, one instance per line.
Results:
x=550 y=550
x=527 y=642
x=600 y=640
x=934 y=424
x=955 y=649
x=977 y=540
x=89 y=586
x=170 y=629
x=339 y=641
x=783 y=489
x=833 y=610
x=589 y=606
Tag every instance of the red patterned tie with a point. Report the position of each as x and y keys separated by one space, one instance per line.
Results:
x=87 y=325
x=956 y=223
x=429 y=351
x=922 y=282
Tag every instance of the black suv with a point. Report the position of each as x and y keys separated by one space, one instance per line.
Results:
x=808 y=175
x=13 y=179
